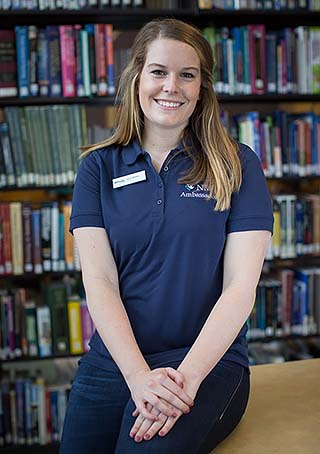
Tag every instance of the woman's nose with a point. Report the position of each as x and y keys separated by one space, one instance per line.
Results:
x=171 y=84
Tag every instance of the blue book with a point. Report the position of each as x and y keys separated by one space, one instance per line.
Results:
x=20 y=406
x=302 y=279
x=54 y=415
x=299 y=226
x=22 y=48
x=55 y=84
x=27 y=411
x=271 y=61
x=43 y=62
x=237 y=59
x=62 y=264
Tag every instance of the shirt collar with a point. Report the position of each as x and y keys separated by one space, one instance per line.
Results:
x=134 y=150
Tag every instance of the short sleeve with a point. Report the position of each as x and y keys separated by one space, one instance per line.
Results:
x=251 y=207
x=86 y=201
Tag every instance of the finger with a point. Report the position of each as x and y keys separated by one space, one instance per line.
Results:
x=179 y=392
x=168 y=399
x=161 y=404
x=167 y=426
x=147 y=433
x=135 y=413
x=147 y=424
x=176 y=376
x=137 y=424
x=142 y=408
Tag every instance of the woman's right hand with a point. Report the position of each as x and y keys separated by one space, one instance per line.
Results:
x=162 y=388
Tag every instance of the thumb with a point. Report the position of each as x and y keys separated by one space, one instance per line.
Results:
x=176 y=376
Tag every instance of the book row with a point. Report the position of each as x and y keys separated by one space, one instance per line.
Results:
x=87 y=4
x=40 y=325
x=286 y=143
x=65 y=60
x=287 y=305
x=296 y=226
x=253 y=60
x=36 y=239
x=277 y=5
x=31 y=412
x=40 y=145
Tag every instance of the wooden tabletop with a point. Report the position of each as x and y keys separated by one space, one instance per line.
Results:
x=283 y=414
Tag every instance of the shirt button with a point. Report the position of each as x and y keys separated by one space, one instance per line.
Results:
x=159 y=202
x=160 y=185
x=166 y=168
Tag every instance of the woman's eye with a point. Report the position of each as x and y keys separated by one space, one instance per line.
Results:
x=187 y=75
x=158 y=72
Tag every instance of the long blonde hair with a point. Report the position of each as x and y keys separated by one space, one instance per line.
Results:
x=214 y=153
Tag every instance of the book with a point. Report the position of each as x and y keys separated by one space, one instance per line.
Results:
x=74 y=320
x=8 y=64
x=44 y=330
x=56 y=297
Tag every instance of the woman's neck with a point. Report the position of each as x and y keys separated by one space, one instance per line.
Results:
x=160 y=142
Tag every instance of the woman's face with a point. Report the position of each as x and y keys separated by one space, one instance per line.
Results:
x=169 y=84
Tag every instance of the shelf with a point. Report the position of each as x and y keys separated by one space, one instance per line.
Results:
x=282 y=338
x=121 y=18
x=269 y=98
x=29 y=276
x=135 y=17
x=301 y=260
x=110 y=100
x=52 y=448
x=45 y=358
x=274 y=19
x=48 y=100
x=61 y=189
x=294 y=178
x=264 y=339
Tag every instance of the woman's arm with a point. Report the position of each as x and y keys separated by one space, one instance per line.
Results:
x=100 y=279
x=243 y=259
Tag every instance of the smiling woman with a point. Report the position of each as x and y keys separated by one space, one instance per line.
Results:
x=164 y=213
x=169 y=88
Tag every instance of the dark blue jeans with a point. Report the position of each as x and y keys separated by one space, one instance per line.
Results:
x=99 y=414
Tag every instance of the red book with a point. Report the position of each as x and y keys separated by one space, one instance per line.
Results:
x=8 y=64
x=1 y=247
x=7 y=246
x=101 y=64
x=48 y=415
x=257 y=52
x=108 y=31
x=68 y=61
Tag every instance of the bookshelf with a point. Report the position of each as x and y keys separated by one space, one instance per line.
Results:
x=130 y=19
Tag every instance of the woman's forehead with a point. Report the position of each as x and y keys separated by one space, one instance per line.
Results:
x=165 y=51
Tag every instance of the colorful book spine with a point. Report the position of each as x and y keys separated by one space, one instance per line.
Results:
x=74 y=320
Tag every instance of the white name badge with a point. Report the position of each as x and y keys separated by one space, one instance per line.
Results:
x=129 y=179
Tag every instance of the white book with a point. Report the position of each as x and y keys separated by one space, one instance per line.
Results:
x=44 y=331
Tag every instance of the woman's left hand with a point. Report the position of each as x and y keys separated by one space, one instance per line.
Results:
x=145 y=429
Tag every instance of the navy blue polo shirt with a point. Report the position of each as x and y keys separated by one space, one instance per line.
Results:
x=167 y=243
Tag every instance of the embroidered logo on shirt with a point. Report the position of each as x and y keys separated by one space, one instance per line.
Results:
x=198 y=190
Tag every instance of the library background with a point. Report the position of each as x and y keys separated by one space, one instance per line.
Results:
x=59 y=65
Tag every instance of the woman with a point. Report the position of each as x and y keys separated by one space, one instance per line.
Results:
x=172 y=219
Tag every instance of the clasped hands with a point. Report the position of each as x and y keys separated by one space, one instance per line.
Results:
x=161 y=396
